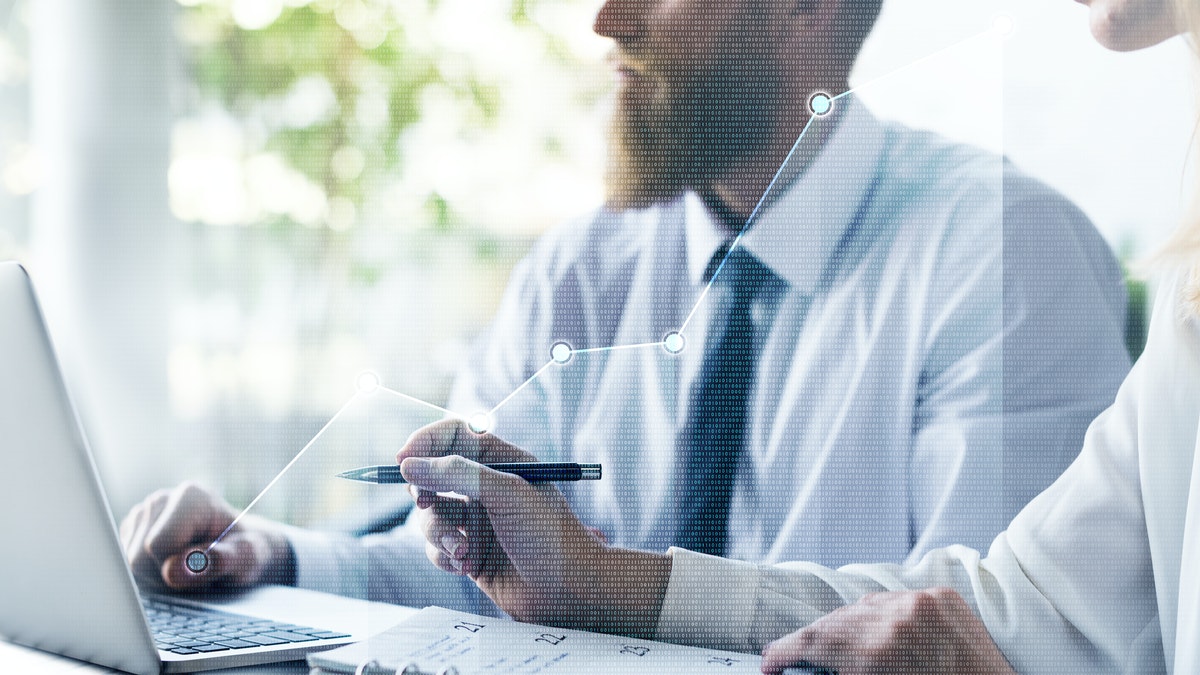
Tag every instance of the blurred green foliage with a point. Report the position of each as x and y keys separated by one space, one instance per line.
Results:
x=331 y=86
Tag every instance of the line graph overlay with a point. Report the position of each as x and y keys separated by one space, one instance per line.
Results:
x=427 y=404
x=368 y=382
x=524 y=384
x=749 y=221
x=996 y=29
x=344 y=408
x=640 y=345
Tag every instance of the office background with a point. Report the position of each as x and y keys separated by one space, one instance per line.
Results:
x=232 y=207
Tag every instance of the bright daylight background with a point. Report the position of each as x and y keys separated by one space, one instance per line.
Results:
x=232 y=207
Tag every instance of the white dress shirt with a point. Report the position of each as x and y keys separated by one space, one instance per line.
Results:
x=1098 y=574
x=948 y=329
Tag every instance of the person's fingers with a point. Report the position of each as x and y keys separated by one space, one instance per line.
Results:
x=443 y=475
x=501 y=494
x=133 y=535
x=480 y=552
x=425 y=498
x=474 y=542
x=794 y=649
x=133 y=531
x=832 y=643
x=177 y=576
x=454 y=437
x=156 y=504
x=133 y=526
x=432 y=440
x=191 y=516
x=457 y=533
x=442 y=527
x=442 y=561
x=235 y=561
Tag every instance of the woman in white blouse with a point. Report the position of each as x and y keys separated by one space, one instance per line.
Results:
x=1099 y=574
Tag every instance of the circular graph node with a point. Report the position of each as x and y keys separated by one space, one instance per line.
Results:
x=481 y=422
x=1003 y=24
x=196 y=561
x=367 y=382
x=820 y=104
x=561 y=352
x=673 y=342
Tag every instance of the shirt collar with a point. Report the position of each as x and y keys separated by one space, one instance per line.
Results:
x=797 y=233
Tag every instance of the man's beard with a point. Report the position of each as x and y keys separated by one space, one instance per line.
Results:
x=684 y=130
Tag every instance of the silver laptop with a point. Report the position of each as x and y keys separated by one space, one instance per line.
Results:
x=64 y=583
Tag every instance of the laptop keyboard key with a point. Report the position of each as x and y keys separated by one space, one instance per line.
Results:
x=263 y=640
x=327 y=634
x=189 y=630
x=237 y=644
x=211 y=648
x=289 y=637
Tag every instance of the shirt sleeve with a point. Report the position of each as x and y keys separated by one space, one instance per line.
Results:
x=1026 y=315
x=391 y=566
x=387 y=567
x=1067 y=588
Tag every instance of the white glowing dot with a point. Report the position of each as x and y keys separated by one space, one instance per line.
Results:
x=561 y=352
x=196 y=561
x=820 y=104
x=673 y=342
x=480 y=422
x=1003 y=24
x=367 y=382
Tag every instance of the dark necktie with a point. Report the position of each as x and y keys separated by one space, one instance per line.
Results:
x=712 y=438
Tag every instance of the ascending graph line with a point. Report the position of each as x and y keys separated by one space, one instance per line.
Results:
x=280 y=474
x=766 y=193
x=418 y=401
x=673 y=342
x=956 y=45
x=749 y=221
x=523 y=385
x=590 y=350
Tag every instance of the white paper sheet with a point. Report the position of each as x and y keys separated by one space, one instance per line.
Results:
x=435 y=638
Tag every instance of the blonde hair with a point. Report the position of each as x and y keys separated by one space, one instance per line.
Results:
x=1184 y=246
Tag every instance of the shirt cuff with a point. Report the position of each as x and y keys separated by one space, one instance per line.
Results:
x=710 y=601
x=328 y=562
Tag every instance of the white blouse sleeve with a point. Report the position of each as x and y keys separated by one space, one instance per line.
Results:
x=1068 y=588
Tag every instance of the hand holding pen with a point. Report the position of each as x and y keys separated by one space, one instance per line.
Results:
x=519 y=541
x=533 y=472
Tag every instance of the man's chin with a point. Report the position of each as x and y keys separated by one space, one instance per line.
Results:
x=625 y=199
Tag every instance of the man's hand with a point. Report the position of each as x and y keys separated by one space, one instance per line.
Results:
x=520 y=542
x=159 y=532
x=926 y=632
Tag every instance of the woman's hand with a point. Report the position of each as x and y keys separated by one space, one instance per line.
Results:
x=926 y=632
x=520 y=542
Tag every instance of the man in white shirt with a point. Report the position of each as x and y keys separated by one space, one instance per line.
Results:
x=929 y=334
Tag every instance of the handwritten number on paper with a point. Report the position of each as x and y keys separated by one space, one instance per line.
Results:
x=635 y=650
x=550 y=638
x=468 y=626
x=718 y=661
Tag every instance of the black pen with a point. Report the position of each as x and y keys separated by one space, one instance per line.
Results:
x=534 y=472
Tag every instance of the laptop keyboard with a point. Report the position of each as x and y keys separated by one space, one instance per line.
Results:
x=189 y=630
